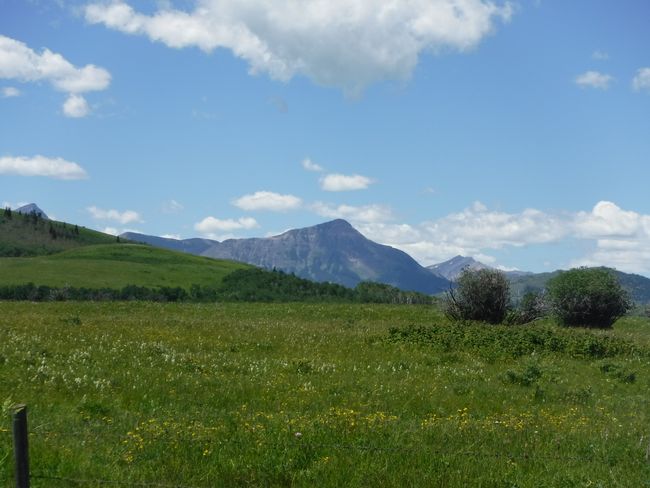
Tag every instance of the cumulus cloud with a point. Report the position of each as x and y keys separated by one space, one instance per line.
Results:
x=126 y=217
x=211 y=225
x=338 y=182
x=266 y=200
x=641 y=80
x=594 y=79
x=360 y=214
x=10 y=92
x=607 y=220
x=341 y=43
x=20 y=62
x=76 y=107
x=621 y=237
x=309 y=165
x=57 y=168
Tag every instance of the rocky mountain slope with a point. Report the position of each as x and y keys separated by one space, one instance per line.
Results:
x=333 y=251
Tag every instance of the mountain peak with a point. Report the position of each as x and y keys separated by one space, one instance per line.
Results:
x=452 y=268
x=336 y=224
x=29 y=208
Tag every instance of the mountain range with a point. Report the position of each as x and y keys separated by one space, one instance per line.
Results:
x=336 y=252
x=333 y=251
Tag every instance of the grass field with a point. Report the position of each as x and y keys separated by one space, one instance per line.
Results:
x=320 y=395
x=115 y=266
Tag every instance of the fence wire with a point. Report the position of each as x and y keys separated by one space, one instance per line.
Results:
x=284 y=442
x=78 y=481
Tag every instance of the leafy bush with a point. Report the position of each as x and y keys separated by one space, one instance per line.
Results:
x=512 y=342
x=588 y=297
x=532 y=307
x=482 y=295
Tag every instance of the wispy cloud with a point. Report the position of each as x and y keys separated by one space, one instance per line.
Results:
x=125 y=217
x=339 y=182
x=267 y=200
x=10 y=92
x=641 y=80
x=57 y=168
x=356 y=214
x=172 y=207
x=309 y=165
x=600 y=55
x=594 y=79
x=211 y=225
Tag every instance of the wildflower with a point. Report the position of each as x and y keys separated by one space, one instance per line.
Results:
x=298 y=435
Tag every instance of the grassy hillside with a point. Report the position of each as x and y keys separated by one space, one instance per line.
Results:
x=320 y=395
x=27 y=235
x=115 y=266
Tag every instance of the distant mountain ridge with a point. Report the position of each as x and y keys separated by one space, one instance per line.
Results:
x=638 y=286
x=524 y=281
x=333 y=251
x=452 y=268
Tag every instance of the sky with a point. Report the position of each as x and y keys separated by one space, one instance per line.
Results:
x=516 y=132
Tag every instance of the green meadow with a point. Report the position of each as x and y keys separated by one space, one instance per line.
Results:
x=115 y=266
x=207 y=395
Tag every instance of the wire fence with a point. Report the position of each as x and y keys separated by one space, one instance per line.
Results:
x=292 y=441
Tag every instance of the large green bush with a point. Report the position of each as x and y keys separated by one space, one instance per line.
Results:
x=482 y=295
x=588 y=297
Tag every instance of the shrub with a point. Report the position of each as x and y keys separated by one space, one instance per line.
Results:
x=479 y=295
x=531 y=307
x=588 y=297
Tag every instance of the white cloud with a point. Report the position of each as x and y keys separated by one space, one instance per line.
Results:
x=210 y=225
x=126 y=217
x=57 y=168
x=20 y=62
x=338 y=182
x=172 y=207
x=343 y=43
x=76 y=107
x=309 y=165
x=10 y=91
x=641 y=80
x=361 y=214
x=607 y=220
x=621 y=237
x=266 y=200
x=600 y=55
x=594 y=79
x=110 y=230
x=172 y=236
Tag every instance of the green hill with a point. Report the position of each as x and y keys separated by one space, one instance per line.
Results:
x=30 y=235
x=115 y=266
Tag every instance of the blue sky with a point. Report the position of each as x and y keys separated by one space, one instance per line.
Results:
x=515 y=132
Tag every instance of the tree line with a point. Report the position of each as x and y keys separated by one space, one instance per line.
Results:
x=245 y=285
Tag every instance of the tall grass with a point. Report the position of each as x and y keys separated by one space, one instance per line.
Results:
x=313 y=395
